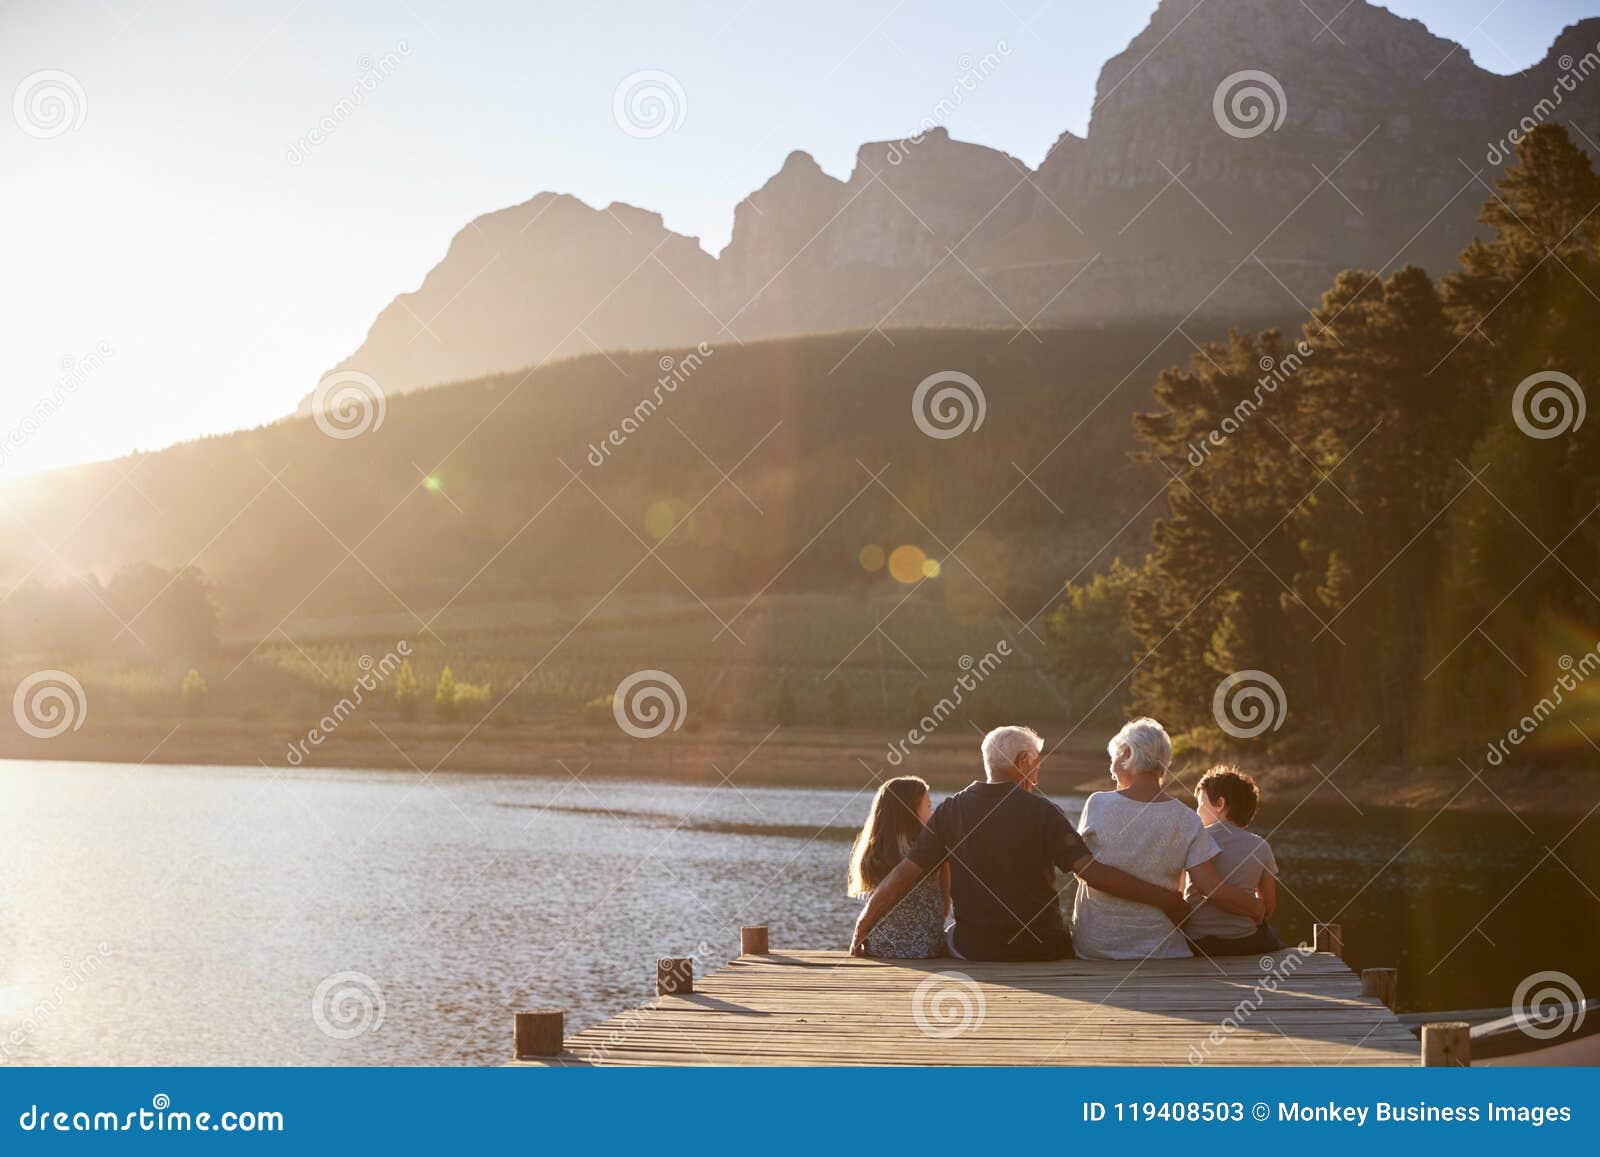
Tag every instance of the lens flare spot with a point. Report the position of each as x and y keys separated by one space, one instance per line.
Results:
x=930 y=568
x=433 y=482
x=658 y=519
x=872 y=558
x=905 y=564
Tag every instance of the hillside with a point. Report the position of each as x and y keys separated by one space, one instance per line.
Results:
x=505 y=489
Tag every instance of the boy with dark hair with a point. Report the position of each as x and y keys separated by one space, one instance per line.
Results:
x=1226 y=800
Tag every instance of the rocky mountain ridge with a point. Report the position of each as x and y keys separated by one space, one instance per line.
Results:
x=1239 y=154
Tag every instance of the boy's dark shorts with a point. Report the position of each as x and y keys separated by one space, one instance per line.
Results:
x=1263 y=939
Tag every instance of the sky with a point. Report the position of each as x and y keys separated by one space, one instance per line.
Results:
x=187 y=259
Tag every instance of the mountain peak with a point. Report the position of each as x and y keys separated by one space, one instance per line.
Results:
x=1206 y=41
x=935 y=146
x=799 y=162
x=1156 y=211
x=1574 y=43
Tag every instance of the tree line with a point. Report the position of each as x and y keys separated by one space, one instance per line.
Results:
x=1392 y=516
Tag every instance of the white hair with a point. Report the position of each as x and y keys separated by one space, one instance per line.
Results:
x=1003 y=746
x=1146 y=744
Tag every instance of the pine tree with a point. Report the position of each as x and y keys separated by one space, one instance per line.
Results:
x=1523 y=550
x=785 y=710
x=405 y=691
x=840 y=713
x=1389 y=531
x=1232 y=477
x=444 y=695
x=1090 y=645
x=193 y=693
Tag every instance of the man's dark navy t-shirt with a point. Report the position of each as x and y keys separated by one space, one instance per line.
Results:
x=1003 y=843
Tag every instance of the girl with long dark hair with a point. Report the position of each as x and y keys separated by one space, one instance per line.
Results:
x=914 y=928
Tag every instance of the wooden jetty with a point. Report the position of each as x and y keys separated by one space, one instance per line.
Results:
x=1294 y=1007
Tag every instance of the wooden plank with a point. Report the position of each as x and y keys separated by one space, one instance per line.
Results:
x=829 y=1008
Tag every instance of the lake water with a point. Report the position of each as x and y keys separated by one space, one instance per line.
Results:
x=170 y=915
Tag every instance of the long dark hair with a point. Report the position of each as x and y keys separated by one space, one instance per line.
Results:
x=886 y=836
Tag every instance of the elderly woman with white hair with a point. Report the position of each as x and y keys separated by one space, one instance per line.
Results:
x=1146 y=833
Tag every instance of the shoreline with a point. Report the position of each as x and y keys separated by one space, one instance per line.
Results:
x=797 y=757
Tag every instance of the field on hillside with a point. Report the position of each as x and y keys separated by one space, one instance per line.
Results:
x=883 y=660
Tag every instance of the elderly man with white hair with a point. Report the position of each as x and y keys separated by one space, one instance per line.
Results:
x=1003 y=842
x=1147 y=833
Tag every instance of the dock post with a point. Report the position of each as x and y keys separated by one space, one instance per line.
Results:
x=1327 y=938
x=538 y=1033
x=1381 y=983
x=753 y=940
x=674 y=975
x=1447 y=1045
